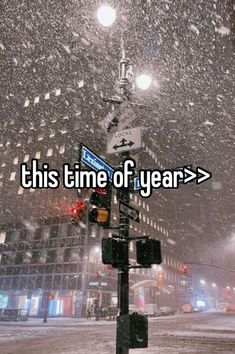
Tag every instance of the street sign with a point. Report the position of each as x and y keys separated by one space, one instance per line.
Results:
x=119 y=119
x=95 y=162
x=124 y=140
x=136 y=183
x=129 y=211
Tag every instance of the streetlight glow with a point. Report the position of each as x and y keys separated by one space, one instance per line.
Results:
x=214 y=285
x=143 y=81
x=106 y=15
x=202 y=282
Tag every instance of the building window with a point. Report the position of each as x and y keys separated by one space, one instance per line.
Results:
x=26 y=104
x=63 y=131
x=62 y=149
x=57 y=92
x=13 y=176
x=52 y=134
x=36 y=100
x=47 y=96
x=20 y=190
x=26 y=158
x=49 y=152
x=80 y=83
x=15 y=162
x=2 y=237
x=37 y=155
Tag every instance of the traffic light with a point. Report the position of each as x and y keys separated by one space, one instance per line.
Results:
x=148 y=252
x=77 y=212
x=101 y=201
x=184 y=269
x=114 y=252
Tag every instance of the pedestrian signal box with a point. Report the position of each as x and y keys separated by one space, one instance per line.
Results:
x=148 y=251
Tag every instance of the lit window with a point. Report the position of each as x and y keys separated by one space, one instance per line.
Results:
x=2 y=237
x=26 y=104
x=42 y=123
x=49 y=152
x=147 y=206
x=36 y=100
x=62 y=149
x=131 y=195
x=40 y=137
x=57 y=92
x=20 y=190
x=52 y=133
x=21 y=130
x=115 y=199
x=148 y=221
x=3 y=164
x=13 y=176
x=18 y=144
x=47 y=96
x=144 y=205
x=15 y=162
x=63 y=131
x=26 y=158
x=37 y=155
x=66 y=118
x=81 y=83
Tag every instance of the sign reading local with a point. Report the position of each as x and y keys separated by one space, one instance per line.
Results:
x=124 y=140
x=128 y=210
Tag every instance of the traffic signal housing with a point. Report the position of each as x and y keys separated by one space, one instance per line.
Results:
x=77 y=212
x=114 y=252
x=101 y=200
x=132 y=331
x=184 y=269
x=148 y=251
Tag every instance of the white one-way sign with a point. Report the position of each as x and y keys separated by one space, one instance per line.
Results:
x=124 y=140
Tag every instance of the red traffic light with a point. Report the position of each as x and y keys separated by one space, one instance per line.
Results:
x=184 y=269
x=101 y=191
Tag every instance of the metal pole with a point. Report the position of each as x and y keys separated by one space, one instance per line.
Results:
x=85 y=265
x=46 y=309
x=123 y=272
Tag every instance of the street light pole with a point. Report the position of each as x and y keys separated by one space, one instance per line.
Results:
x=123 y=271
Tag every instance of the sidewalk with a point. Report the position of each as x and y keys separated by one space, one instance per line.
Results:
x=55 y=322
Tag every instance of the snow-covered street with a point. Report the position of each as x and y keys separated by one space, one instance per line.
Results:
x=206 y=333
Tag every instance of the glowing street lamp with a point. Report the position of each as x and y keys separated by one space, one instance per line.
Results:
x=214 y=285
x=106 y=15
x=202 y=282
x=143 y=81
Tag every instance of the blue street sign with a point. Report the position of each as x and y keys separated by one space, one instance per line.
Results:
x=136 y=183
x=95 y=162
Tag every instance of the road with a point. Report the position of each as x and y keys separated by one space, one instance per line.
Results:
x=203 y=333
